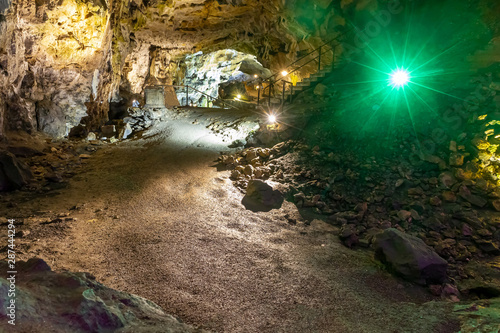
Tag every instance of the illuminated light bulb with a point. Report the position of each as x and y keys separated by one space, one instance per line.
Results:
x=284 y=73
x=257 y=87
x=238 y=96
x=272 y=118
x=255 y=76
x=400 y=78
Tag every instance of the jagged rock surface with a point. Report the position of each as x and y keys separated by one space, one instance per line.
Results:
x=48 y=301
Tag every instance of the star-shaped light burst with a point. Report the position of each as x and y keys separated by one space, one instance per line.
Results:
x=399 y=78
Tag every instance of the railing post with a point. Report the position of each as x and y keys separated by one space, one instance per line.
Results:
x=187 y=95
x=258 y=96
x=283 y=95
x=270 y=89
x=319 y=59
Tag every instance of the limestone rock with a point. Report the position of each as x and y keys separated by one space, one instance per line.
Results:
x=261 y=197
x=76 y=302
x=410 y=257
x=91 y=136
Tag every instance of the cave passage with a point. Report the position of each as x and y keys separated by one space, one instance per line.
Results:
x=249 y=166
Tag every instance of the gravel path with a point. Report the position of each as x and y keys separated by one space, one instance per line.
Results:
x=157 y=219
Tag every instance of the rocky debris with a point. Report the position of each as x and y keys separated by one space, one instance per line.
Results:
x=260 y=197
x=76 y=302
x=13 y=173
x=410 y=257
x=44 y=167
x=140 y=119
x=364 y=195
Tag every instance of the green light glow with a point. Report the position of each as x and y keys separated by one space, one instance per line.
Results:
x=399 y=78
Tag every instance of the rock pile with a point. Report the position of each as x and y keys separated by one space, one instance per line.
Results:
x=43 y=169
x=452 y=214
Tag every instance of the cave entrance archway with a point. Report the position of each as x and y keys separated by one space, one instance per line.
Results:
x=224 y=74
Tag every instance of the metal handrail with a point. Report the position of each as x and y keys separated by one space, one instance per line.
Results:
x=271 y=83
x=308 y=54
x=201 y=92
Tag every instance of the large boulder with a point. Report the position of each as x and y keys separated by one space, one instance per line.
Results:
x=261 y=197
x=13 y=174
x=410 y=257
x=48 y=301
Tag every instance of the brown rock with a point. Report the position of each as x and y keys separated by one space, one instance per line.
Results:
x=496 y=204
x=415 y=191
x=476 y=200
x=404 y=215
x=248 y=170
x=449 y=196
x=447 y=179
x=435 y=201
x=251 y=154
x=456 y=159
x=453 y=146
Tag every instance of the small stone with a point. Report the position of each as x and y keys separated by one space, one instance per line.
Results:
x=255 y=162
x=235 y=175
x=435 y=201
x=488 y=246
x=466 y=230
x=456 y=159
x=449 y=196
x=480 y=143
x=436 y=289
x=84 y=156
x=126 y=132
x=484 y=233
x=453 y=146
x=91 y=136
x=258 y=173
x=415 y=191
x=404 y=215
x=264 y=153
x=251 y=154
x=496 y=204
x=299 y=197
x=22 y=233
x=447 y=179
x=248 y=170
x=449 y=290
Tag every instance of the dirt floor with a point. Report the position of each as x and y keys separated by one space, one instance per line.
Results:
x=154 y=217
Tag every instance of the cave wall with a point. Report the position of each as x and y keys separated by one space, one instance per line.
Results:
x=62 y=62
x=49 y=50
